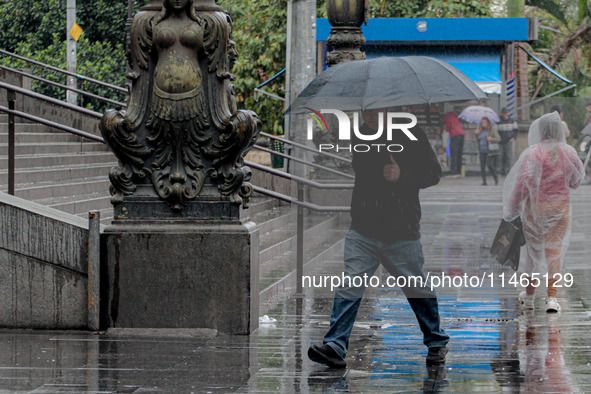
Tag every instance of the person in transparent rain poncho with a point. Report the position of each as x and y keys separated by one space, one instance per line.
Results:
x=538 y=190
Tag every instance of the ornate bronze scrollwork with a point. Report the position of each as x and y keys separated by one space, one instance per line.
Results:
x=181 y=130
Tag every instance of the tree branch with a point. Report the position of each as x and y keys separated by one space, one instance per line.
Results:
x=561 y=50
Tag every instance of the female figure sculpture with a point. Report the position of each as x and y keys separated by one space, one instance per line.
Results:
x=170 y=134
x=178 y=117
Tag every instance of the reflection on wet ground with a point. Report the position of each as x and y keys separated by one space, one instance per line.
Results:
x=495 y=345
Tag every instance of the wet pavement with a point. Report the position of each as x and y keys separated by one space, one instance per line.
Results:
x=495 y=344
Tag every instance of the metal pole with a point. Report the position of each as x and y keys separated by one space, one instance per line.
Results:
x=545 y=97
x=11 y=96
x=94 y=239
x=288 y=67
x=129 y=12
x=128 y=40
x=72 y=97
x=301 y=69
x=300 y=244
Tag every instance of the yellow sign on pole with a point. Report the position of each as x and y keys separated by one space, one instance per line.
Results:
x=76 y=31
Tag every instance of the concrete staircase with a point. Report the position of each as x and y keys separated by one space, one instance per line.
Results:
x=57 y=169
x=62 y=171
x=323 y=240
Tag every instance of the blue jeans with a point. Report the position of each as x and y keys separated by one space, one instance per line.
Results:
x=505 y=157
x=363 y=255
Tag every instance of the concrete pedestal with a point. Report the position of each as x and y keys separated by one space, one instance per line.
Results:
x=181 y=274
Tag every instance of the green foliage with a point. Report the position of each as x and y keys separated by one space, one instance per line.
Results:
x=92 y=63
x=30 y=21
x=551 y=7
x=37 y=29
x=422 y=8
x=515 y=8
x=260 y=36
x=104 y=20
x=560 y=19
x=37 y=21
x=584 y=10
x=429 y=8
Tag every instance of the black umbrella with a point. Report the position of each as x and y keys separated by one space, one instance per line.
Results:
x=386 y=82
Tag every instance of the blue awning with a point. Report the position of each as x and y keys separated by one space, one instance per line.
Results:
x=440 y=29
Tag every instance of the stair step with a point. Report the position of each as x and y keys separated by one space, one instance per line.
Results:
x=43 y=190
x=275 y=286
x=65 y=173
x=4 y=119
x=82 y=204
x=25 y=128
x=274 y=219
x=283 y=242
x=284 y=264
x=260 y=204
x=55 y=147
x=52 y=160
x=41 y=138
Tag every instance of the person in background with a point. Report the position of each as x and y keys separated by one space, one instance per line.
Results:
x=538 y=190
x=556 y=108
x=488 y=138
x=588 y=109
x=507 y=129
x=457 y=135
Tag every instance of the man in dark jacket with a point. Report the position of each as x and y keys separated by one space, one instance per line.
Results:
x=386 y=212
x=507 y=128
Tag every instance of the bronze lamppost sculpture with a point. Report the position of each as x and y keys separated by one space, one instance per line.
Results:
x=179 y=253
x=181 y=132
x=346 y=37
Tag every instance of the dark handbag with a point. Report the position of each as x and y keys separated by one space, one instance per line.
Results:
x=507 y=242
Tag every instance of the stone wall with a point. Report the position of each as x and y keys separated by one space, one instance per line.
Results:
x=43 y=258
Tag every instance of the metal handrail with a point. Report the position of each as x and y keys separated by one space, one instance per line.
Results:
x=270 y=193
x=105 y=84
x=96 y=81
x=304 y=204
x=80 y=77
x=12 y=88
x=298 y=160
x=299 y=179
x=304 y=147
x=49 y=123
x=59 y=85
x=51 y=100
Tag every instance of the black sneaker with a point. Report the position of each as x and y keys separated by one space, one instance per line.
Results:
x=326 y=355
x=436 y=355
